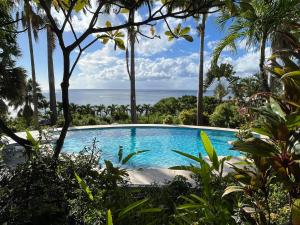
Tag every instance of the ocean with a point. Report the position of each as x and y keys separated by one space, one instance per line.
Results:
x=121 y=96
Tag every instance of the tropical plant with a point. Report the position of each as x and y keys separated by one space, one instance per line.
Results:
x=258 y=22
x=209 y=207
x=200 y=110
x=32 y=21
x=225 y=115
x=188 y=117
x=12 y=78
x=220 y=92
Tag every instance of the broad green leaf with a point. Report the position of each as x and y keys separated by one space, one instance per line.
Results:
x=124 y=11
x=170 y=38
x=188 y=38
x=129 y=156
x=185 y=31
x=255 y=146
x=133 y=206
x=293 y=74
x=84 y=186
x=296 y=212
x=276 y=108
x=192 y=169
x=203 y=201
x=168 y=33
x=293 y=121
x=109 y=220
x=208 y=147
x=120 y=43
x=108 y=24
x=34 y=142
x=105 y=40
x=119 y=34
x=232 y=189
x=187 y=155
x=80 y=5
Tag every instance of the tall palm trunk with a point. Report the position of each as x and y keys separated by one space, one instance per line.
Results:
x=51 y=78
x=263 y=73
x=132 y=71
x=35 y=99
x=201 y=65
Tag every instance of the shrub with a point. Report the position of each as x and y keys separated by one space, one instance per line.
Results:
x=225 y=115
x=168 y=120
x=188 y=117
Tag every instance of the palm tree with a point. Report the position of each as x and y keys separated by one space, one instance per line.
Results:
x=216 y=72
x=52 y=95
x=140 y=109
x=32 y=21
x=220 y=91
x=201 y=29
x=132 y=5
x=131 y=70
x=112 y=109
x=100 y=109
x=257 y=23
x=12 y=78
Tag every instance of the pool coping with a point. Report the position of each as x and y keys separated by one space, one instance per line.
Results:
x=35 y=133
x=143 y=176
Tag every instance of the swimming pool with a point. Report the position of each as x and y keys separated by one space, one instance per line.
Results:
x=159 y=140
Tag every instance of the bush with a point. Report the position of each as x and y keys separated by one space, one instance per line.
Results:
x=188 y=117
x=168 y=120
x=225 y=115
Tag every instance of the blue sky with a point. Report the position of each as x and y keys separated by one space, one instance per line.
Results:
x=160 y=64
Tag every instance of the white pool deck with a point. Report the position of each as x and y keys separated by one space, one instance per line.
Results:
x=145 y=176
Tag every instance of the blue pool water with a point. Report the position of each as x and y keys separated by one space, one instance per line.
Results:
x=159 y=140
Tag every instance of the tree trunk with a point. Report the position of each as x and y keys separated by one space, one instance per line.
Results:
x=51 y=78
x=65 y=105
x=132 y=71
x=263 y=73
x=35 y=99
x=201 y=65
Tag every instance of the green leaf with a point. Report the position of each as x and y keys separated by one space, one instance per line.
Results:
x=84 y=186
x=188 y=156
x=119 y=34
x=170 y=38
x=105 y=40
x=124 y=11
x=276 y=108
x=255 y=146
x=129 y=156
x=293 y=74
x=108 y=24
x=188 y=38
x=150 y=210
x=109 y=220
x=34 y=142
x=293 y=121
x=120 y=43
x=296 y=212
x=189 y=206
x=185 y=31
x=208 y=147
x=232 y=189
x=80 y=5
x=133 y=206
x=168 y=33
